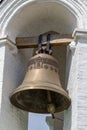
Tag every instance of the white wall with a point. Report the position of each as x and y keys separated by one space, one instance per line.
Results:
x=76 y=115
x=12 y=69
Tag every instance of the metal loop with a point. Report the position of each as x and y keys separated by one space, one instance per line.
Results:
x=40 y=43
x=48 y=46
x=41 y=48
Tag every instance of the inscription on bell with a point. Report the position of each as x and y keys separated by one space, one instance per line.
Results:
x=38 y=65
x=46 y=66
x=43 y=63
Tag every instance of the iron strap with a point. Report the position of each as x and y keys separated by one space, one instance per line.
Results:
x=40 y=43
x=48 y=47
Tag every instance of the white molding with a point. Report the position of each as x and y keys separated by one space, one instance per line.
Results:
x=72 y=47
x=9 y=10
x=80 y=34
x=5 y=41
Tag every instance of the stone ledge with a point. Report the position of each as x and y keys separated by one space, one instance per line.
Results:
x=80 y=34
x=5 y=41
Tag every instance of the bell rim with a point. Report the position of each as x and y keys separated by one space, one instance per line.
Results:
x=58 y=90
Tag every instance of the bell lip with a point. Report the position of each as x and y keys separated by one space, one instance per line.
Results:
x=58 y=90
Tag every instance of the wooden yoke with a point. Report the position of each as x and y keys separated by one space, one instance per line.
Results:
x=56 y=40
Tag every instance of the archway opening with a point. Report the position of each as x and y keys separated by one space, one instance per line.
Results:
x=36 y=18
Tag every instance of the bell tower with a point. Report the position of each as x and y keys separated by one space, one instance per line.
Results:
x=30 y=18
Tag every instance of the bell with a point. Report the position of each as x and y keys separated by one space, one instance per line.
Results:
x=41 y=90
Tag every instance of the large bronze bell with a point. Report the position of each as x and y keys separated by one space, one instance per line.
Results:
x=41 y=90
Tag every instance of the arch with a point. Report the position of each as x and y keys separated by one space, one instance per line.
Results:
x=13 y=26
x=72 y=19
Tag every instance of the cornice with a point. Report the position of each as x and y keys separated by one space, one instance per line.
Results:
x=80 y=34
x=5 y=41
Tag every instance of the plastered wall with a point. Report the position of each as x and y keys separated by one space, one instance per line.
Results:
x=12 y=70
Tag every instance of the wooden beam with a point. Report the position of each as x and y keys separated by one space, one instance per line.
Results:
x=31 y=42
